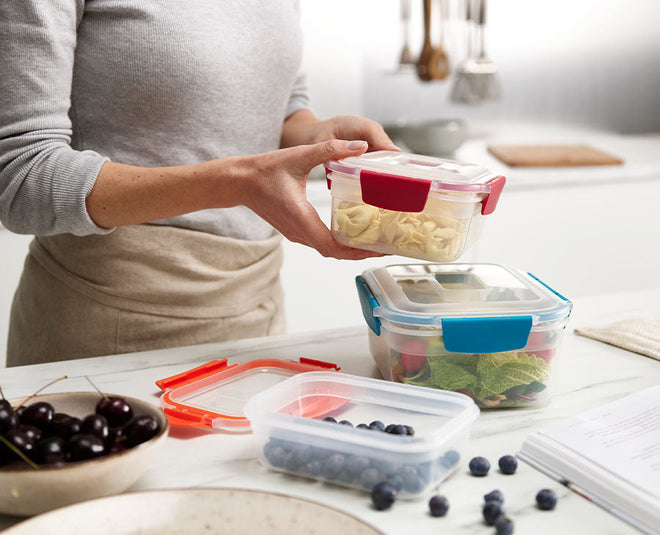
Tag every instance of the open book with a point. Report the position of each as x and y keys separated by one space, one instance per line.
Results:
x=610 y=455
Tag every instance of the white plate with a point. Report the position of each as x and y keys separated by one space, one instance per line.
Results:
x=194 y=511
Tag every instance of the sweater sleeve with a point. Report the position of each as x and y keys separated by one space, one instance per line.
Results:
x=43 y=181
x=299 y=99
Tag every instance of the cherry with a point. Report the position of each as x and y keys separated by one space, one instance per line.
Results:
x=20 y=440
x=82 y=447
x=50 y=450
x=8 y=419
x=39 y=414
x=95 y=424
x=140 y=429
x=116 y=410
x=64 y=426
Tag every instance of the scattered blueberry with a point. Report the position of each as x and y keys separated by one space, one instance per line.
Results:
x=383 y=495
x=479 y=466
x=346 y=422
x=508 y=464
x=546 y=499
x=492 y=511
x=362 y=426
x=503 y=526
x=330 y=419
x=438 y=505
x=494 y=496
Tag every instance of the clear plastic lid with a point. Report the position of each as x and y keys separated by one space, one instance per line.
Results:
x=443 y=174
x=425 y=294
x=214 y=394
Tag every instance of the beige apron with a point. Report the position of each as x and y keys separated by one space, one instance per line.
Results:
x=142 y=287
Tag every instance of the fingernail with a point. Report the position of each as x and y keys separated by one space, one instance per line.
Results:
x=356 y=145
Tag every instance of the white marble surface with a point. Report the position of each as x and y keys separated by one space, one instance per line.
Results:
x=590 y=373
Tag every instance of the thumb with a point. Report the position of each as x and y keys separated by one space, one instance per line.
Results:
x=333 y=149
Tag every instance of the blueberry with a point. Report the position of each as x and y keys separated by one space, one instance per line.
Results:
x=508 y=464
x=492 y=511
x=503 y=526
x=346 y=422
x=450 y=459
x=396 y=429
x=276 y=455
x=357 y=464
x=330 y=419
x=301 y=453
x=409 y=430
x=411 y=478
x=362 y=426
x=383 y=495
x=377 y=425
x=546 y=499
x=438 y=505
x=334 y=465
x=494 y=496
x=313 y=468
x=346 y=476
x=370 y=477
x=479 y=466
x=396 y=481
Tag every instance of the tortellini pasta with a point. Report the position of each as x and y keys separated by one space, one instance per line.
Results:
x=418 y=235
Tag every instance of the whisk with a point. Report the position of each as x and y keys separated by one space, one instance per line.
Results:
x=476 y=77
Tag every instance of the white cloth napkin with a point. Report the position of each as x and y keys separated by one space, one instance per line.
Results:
x=640 y=335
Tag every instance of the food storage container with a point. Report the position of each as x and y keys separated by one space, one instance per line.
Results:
x=329 y=426
x=485 y=330
x=410 y=205
x=214 y=394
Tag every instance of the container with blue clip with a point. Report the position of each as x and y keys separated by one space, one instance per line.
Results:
x=485 y=330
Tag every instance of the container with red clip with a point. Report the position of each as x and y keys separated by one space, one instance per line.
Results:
x=410 y=205
x=213 y=395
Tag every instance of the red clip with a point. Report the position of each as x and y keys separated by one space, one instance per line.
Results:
x=394 y=192
x=490 y=202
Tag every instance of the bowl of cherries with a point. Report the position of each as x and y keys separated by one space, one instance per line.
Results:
x=62 y=448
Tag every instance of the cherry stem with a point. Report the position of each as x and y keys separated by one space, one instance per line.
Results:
x=19 y=452
x=42 y=388
x=97 y=389
x=2 y=393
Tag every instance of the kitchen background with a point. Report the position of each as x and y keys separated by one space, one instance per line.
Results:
x=570 y=72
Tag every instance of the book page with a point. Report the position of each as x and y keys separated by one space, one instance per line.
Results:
x=622 y=437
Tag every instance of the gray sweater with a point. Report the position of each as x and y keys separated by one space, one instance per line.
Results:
x=141 y=82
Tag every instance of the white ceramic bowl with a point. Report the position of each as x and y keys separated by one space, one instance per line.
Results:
x=195 y=511
x=436 y=137
x=27 y=491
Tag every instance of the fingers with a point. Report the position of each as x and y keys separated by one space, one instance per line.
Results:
x=334 y=149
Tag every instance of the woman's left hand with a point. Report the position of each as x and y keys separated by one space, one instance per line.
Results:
x=304 y=128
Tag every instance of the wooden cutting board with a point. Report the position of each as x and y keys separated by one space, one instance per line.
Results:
x=551 y=155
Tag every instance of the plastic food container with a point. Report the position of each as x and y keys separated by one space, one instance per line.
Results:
x=411 y=205
x=485 y=330
x=292 y=434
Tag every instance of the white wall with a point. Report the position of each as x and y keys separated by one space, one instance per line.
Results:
x=588 y=63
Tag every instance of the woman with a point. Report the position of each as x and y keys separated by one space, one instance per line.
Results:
x=157 y=151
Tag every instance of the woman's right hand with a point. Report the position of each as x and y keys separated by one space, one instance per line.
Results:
x=278 y=194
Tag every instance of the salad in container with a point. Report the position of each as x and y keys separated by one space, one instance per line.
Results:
x=488 y=331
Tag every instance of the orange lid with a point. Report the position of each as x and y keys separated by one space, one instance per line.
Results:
x=214 y=394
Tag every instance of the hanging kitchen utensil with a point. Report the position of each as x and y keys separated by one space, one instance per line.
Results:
x=442 y=58
x=406 y=58
x=463 y=90
x=485 y=79
x=429 y=60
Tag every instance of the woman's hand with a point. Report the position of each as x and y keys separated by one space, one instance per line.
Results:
x=303 y=128
x=278 y=194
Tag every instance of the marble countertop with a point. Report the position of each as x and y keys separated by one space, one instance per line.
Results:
x=590 y=373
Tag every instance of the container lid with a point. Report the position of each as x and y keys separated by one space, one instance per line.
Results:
x=214 y=394
x=402 y=181
x=479 y=307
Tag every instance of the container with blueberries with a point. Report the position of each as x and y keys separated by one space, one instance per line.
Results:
x=358 y=432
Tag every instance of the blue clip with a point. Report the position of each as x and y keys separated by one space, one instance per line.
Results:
x=368 y=303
